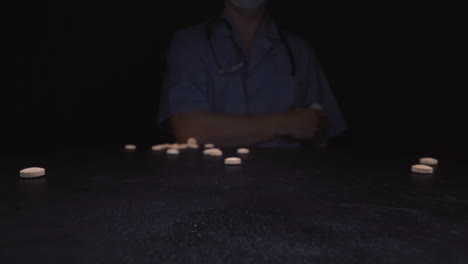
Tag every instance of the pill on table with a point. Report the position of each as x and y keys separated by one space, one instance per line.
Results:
x=243 y=151
x=130 y=147
x=423 y=169
x=34 y=172
x=172 y=151
x=174 y=146
x=232 y=161
x=158 y=147
x=428 y=161
x=209 y=145
x=215 y=152
x=193 y=146
x=182 y=146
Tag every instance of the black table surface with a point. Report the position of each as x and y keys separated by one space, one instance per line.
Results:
x=280 y=206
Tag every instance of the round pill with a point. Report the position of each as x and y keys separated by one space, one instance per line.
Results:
x=191 y=141
x=34 y=172
x=193 y=146
x=182 y=146
x=215 y=152
x=174 y=146
x=232 y=161
x=172 y=151
x=243 y=151
x=209 y=145
x=130 y=147
x=207 y=151
x=428 y=161
x=423 y=169
x=158 y=147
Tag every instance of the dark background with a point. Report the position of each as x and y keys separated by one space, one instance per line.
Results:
x=89 y=72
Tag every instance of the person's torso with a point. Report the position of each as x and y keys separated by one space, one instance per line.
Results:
x=265 y=83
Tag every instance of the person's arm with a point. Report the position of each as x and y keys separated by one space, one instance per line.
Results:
x=320 y=92
x=244 y=130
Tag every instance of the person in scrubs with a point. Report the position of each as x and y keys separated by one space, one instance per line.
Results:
x=240 y=80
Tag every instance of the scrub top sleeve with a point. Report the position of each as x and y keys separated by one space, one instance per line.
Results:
x=319 y=91
x=184 y=87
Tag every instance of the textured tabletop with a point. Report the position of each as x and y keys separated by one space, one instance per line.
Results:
x=279 y=206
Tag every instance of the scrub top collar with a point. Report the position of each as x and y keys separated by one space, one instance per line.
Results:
x=266 y=39
x=267 y=28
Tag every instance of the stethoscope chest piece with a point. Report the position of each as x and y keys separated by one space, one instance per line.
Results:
x=222 y=70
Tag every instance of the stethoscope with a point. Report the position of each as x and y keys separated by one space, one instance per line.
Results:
x=239 y=64
x=222 y=70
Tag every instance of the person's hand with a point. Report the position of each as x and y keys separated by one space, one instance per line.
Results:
x=304 y=123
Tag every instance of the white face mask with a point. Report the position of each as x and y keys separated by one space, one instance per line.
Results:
x=248 y=4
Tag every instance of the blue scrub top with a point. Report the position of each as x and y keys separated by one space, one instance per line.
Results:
x=264 y=85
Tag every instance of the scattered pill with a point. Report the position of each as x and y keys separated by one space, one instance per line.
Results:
x=423 y=169
x=215 y=152
x=158 y=147
x=232 y=161
x=182 y=146
x=428 y=161
x=193 y=146
x=174 y=146
x=130 y=147
x=172 y=151
x=191 y=141
x=243 y=151
x=30 y=173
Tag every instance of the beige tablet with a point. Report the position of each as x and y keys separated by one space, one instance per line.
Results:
x=34 y=172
